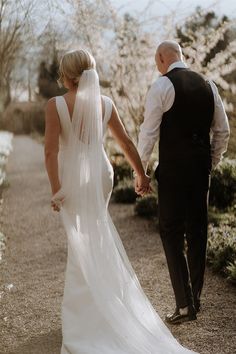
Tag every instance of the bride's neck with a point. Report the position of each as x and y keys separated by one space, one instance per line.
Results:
x=73 y=90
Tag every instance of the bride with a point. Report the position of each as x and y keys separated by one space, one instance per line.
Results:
x=104 y=309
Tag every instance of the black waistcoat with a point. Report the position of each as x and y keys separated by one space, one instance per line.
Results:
x=185 y=128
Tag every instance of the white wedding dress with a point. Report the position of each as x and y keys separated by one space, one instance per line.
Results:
x=104 y=309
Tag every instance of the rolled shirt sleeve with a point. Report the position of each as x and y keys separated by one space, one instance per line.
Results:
x=220 y=130
x=159 y=99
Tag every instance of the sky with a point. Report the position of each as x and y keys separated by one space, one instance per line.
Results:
x=184 y=7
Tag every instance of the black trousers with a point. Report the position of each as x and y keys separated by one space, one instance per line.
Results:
x=182 y=204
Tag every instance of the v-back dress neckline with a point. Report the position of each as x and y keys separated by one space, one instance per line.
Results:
x=70 y=117
x=67 y=110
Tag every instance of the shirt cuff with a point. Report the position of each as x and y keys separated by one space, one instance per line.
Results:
x=145 y=165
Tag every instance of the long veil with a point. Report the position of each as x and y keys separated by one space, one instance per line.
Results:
x=92 y=236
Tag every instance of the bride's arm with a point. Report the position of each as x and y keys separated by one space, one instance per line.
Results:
x=119 y=133
x=51 y=147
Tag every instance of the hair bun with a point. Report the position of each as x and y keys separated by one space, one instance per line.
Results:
x=74 y=63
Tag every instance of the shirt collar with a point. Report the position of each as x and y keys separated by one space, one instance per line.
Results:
x=177 y=64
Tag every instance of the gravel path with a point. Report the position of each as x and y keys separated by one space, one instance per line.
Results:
x=34 y=263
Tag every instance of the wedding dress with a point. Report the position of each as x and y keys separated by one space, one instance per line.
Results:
x=104 y=309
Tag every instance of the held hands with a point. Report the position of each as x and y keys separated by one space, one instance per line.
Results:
x=142 y=187
x=142 y=184
x=57 y=200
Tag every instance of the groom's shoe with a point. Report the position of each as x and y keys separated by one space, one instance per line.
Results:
x=180 y=316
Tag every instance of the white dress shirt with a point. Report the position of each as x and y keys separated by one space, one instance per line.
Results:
x=160 y=99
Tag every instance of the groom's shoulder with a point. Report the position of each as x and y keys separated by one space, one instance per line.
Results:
x=160 y=86
x=161 y=80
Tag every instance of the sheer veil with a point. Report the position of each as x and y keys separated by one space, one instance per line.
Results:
x=96 y=245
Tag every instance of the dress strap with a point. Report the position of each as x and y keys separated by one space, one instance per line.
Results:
x=62 y=110
x=108 y=109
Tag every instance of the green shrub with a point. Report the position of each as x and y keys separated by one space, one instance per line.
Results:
x=223 y=185
x=216 y=218
x=222 y=248
x=231 y=268
x=38 y=121
x=122 y=171
x=146 y=206
x=124 y=192
x=24 y=117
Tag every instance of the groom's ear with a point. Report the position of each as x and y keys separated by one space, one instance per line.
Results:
x=161 y=58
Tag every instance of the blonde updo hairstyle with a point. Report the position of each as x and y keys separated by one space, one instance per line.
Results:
x=73 y=63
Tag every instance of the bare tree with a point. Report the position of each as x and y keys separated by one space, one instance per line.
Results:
x=124 y=53
x=13 y=21
x=131 y=70
x=209 y=47
x=91 y=27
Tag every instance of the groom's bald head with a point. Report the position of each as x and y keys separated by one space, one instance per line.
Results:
x=167 y=53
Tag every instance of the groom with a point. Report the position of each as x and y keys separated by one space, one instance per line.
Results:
x=181 y=110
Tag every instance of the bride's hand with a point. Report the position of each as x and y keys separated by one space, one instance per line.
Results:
x=142 y=184
x=57 y=200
